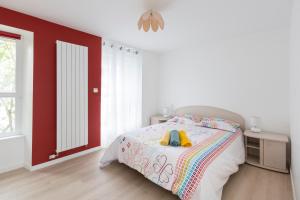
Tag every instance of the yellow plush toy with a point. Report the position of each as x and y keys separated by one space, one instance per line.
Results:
x=185 y=141
x=165 y=139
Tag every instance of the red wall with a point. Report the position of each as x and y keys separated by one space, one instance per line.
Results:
x=44 y=80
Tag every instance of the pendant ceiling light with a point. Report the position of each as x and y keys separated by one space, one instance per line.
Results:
x=151 y=19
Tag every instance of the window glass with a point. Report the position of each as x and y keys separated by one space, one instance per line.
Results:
x=7 y=65
x=8 y=51
x=7 y=115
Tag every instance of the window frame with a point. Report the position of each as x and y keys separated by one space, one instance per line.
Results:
x=17 y=94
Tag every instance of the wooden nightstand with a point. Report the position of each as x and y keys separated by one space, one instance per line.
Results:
x=157 y=119
x=266 y=150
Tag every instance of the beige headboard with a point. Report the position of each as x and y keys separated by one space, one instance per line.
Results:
x=208 y=111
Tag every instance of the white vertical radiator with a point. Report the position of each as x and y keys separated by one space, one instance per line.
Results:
x=72 y=96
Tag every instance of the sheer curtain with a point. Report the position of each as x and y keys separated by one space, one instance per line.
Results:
x=121 y=94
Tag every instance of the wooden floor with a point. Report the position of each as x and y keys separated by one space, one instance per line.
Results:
x=81 y=179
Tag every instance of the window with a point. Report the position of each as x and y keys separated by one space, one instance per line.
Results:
x=121 y=93
x=8 y=86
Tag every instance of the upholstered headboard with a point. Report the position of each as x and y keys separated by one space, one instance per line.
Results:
x=208 y=111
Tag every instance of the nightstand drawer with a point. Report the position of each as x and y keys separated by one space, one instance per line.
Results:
x=275 y=154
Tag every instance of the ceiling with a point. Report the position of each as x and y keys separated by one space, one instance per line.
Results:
x=187 y=21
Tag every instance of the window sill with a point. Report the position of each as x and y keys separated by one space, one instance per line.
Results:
x=11 y=137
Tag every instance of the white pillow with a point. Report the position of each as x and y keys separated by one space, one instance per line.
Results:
x=219 y=123
x=181 y=120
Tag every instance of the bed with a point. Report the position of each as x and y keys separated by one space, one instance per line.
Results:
x=198 y=172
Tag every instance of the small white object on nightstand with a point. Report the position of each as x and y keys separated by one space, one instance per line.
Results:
x=165 y=112
x=157 y=119
x=266 y=150
x=254 y=124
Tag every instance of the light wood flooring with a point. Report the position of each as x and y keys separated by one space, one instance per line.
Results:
x=81 y=179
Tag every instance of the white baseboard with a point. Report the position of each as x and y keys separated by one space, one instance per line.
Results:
x=63 y=159
x=293 y=186
x=11 y=168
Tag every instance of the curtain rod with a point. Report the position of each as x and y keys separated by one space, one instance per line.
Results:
x=121 y=47
x=10 y=35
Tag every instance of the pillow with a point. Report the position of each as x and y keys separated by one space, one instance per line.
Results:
x=219 y=123
x=194 y=117
x=181 y=120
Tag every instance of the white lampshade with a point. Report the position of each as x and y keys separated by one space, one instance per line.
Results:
x=165 y=111
x=254 y=121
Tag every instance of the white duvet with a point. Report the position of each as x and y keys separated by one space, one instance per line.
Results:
x=140 y=150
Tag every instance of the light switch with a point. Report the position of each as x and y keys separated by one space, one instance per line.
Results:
x=95 y=90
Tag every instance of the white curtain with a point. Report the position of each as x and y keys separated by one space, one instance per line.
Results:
x=121 y=95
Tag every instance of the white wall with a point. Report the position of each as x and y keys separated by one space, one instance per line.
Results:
x=295 y=95
x=11 y=153
x=27 y=95
x=247 y=75
x=150 y=86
